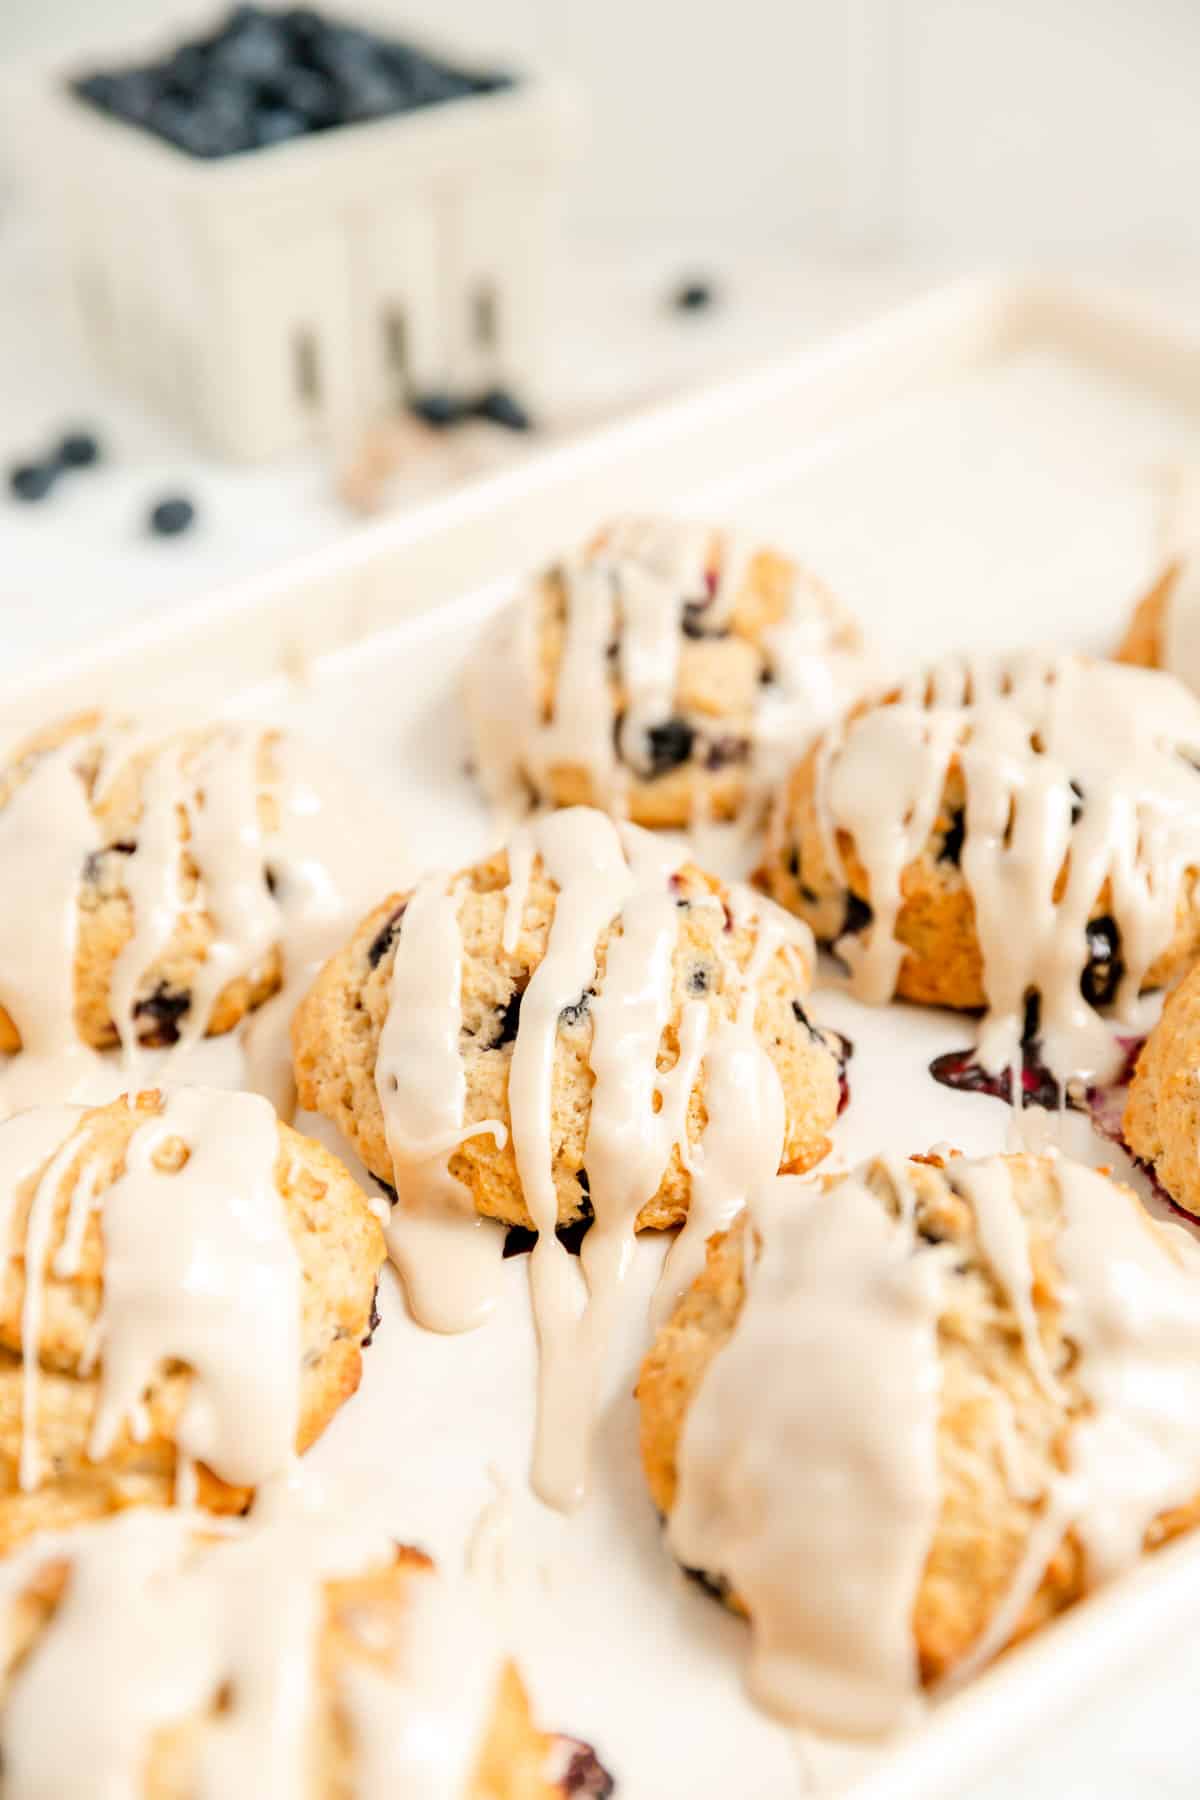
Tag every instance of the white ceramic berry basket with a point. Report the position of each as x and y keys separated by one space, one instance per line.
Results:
x=302 y=291
x=979 y=469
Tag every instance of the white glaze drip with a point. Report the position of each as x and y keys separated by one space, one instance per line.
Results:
x=158 y=1620
x=1124 y=736
x=808 y=1459
x=582 y=855
x=447 y=1254
x=605 y=876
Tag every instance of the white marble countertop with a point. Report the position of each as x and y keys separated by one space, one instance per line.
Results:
x=80 y=565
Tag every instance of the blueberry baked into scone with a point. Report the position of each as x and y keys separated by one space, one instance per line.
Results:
x=996 y=833
x=582 y=1029
x=151 y=880
x=187 y=1288
x=660 y=672
x=908 y=1415
x=297 y=1654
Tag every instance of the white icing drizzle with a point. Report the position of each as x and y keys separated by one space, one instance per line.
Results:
x=582 y=855
x=445 y=1252
x=199 y=1267
x=742 y=1144
x=631 y=589
x=808 y=1465
x=209 y=791
x=1124 y=736
x=160 y=1618
x=808 y=1460
x=638 y=1113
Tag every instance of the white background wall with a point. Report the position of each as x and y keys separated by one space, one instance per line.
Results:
x=953 y=128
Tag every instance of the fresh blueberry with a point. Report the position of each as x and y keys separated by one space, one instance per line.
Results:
x=31 y=481
x=78 y=450
x=502 y=408
x=171 y=516
x=693 y=296
x=438 y=408
x=276 y=124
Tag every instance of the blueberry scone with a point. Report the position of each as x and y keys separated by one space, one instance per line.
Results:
x=151 y=881
x=722 y=959
x=996 y=834
x=907 y=1416
x=660 y=673
x=146 y=1657
x=187 y=1289
x=584 y=1028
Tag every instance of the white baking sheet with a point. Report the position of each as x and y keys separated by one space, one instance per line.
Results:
x=990 y=478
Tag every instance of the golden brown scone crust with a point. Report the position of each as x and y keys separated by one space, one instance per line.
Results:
x=1143 y=643
x=717 y=688
x=341 y=1251
x=1162 y=1113
x=106 y=923
x=983 y=1527
x=942 y=964
x=337 y=1028
x=362 y=1626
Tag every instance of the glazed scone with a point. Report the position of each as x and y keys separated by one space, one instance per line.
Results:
x=660 y=673
x=339 y=1027
x=99 y=824
x=204 y=1280
x=347 y=1667
x=583 y=1027
x=902 y=1419
x=996 y=831
x=1161 y=1123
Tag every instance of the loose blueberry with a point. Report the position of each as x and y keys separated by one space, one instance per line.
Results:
x=669 y=745
x=276 y=124
x=502 y=408
x=31 y=481
x=693 y=296
x=439 y=408
x=170 y=517
x=78 y=450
